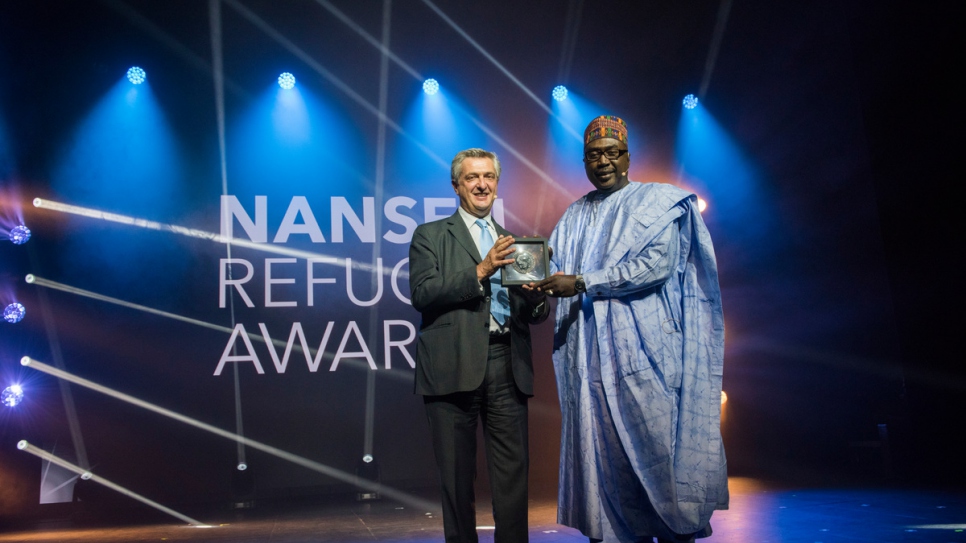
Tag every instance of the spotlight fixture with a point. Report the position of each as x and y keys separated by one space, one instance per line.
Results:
x=19 y=235
x=559 y=93
x=11 y=396
x=368 y=470
x=14 y=312
x=430 y=86
x=286 y=81
x=702 y=205
x=136 y=75
x=690 y=101
x=242 y=487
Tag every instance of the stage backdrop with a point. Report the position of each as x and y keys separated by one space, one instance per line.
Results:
x=299 y=333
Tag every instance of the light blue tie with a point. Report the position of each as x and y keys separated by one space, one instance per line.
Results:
x=499 y=297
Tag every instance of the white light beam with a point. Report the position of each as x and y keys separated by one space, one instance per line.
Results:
x=23 y=445
x=329 y=471
x=210 y=236
x=41 y=282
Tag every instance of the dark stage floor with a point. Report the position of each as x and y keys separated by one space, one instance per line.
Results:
x=760 y=512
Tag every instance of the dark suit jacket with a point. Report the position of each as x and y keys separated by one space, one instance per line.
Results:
x=455 y=329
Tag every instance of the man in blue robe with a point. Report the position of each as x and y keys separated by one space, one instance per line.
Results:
x=638 y=353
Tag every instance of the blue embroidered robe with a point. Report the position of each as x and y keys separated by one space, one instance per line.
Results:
x=638 y=360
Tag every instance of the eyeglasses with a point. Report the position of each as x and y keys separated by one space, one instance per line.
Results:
x=611 y=154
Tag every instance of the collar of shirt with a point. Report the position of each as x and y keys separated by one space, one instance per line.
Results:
x=470 y=221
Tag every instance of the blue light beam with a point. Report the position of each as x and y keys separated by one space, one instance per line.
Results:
x=125 y=157
x=710 y=160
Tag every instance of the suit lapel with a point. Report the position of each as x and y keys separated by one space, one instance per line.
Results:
x=457 y=228
x=499 y=228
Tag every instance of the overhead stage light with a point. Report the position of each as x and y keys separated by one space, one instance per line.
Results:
x=242 y=466
x=19 y=235
x=286 y=80
x=430 y=86
x=14 y=312
x=11 y=396
x=559 y=93
x=702 y=205
x=690 y=101
x=136 y=75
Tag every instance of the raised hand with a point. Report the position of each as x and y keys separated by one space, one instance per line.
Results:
x=496 y=258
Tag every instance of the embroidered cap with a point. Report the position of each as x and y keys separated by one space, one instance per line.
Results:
x=606 y=126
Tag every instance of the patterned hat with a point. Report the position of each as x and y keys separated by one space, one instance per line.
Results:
x=606 y=126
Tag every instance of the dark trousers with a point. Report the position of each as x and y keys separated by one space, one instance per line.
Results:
x=453 y=422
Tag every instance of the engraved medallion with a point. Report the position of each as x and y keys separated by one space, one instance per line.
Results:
x=524 y=262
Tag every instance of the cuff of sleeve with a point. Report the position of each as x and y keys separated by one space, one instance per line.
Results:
x=593 y=281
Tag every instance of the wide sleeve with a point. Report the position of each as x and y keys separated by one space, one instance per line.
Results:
x=647 y=265
x=435 y=285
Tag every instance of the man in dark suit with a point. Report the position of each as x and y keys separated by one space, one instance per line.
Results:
x=473 y=358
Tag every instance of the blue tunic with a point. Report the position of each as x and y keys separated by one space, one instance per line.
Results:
x=638 y=360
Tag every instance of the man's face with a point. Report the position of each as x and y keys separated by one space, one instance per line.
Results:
x=606 y=174
x=476 y=186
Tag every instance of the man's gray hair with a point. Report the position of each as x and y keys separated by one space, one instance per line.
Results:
x=456 y=168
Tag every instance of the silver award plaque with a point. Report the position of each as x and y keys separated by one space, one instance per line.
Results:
x=531 y=262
